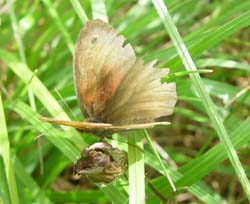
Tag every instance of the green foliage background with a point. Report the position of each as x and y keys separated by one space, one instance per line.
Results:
x=37 y=43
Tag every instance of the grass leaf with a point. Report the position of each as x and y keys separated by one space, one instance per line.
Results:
x=200 y=88
x=5 y=153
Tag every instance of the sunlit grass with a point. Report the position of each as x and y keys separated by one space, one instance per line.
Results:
x=37 y=43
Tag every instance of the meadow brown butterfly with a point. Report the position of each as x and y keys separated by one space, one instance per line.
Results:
x=116 y=91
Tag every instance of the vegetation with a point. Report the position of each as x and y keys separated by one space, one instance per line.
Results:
x=204 y=151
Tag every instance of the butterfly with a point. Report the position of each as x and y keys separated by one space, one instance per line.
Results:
x=115 y=91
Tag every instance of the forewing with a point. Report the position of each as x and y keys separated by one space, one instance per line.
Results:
x=141 y=97
x=101 y=62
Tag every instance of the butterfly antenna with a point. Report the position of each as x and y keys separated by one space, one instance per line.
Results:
x=65 y=103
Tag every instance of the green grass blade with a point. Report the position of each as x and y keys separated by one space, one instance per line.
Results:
x=198 y=189
x=37 y=193
x=6 y=155
x=215 y=88
x=171 y=76
x=55 y=136
x=214 y=37
x=200 y=88
x=116 y=195
x=40 y=91
x=99 y=10
x=166 y=173
x=194 y=170
x=17 y=34
x=79 y=10
x=4 y=191
x=58 y=21
x=58 y=139
x=20 y=48
x=93 y=196
x=198 y=44
x=212 y=62
x=36 y=57
x=136 y=168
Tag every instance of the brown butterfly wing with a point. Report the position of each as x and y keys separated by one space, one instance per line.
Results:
x=100 y=64
x=141 y=97
x=113 y=87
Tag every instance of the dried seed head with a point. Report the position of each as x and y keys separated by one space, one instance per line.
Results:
x=101 y=163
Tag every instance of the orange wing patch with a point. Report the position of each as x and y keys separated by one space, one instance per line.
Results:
x=105 y=92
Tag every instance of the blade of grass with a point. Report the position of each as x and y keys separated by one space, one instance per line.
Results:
x=217 y=89
x=134 y=12
x=200 y=88
x=58 y=139
x=212 y=62
x=37 y=193
x=99 y=10
x=87 y=196
x=228 y=10
x=79 y=10
x=55 y=16
x=197 y=44
x=4 y=191
x=199 y=167
x=189 y=174
x=40 y=91
x=192 y=115
x=18 y=39
x=213 y=38
x=171 y=76
x=159 y=159
x=197 y=189
x=16 y=32
x=136 y=168
x=237 y=96
x=55 y=136
x=6 y=155
x=117 y=196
